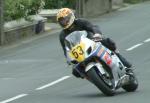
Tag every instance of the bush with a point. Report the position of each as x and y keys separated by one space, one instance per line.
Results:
x=15 y=9
x=55 y=4
x=132 y=1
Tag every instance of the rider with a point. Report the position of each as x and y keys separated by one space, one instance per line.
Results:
x=70 y=23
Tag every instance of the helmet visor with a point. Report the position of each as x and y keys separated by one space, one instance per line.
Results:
x=64 y=21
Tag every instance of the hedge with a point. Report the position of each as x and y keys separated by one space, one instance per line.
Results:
x=15 y=9
x=134 y=1
x=55 y=4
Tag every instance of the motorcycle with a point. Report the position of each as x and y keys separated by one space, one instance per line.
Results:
x=98 y=64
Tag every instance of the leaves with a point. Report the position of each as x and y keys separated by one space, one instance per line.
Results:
x=132 y=1
x=55 y=4
x=15 y=9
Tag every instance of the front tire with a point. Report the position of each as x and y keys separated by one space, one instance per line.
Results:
x=99 y=83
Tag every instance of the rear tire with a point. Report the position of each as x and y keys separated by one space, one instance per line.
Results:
x=132 y=85
x=99 y=83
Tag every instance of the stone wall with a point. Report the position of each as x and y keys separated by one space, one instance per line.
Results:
x=91 y=8
x=16 y=30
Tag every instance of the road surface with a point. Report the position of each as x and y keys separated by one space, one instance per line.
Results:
x=35 y=71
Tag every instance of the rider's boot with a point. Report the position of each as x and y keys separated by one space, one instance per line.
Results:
x=126 y=63
x=75 y=73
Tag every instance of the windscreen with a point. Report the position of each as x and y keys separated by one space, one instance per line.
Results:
x=74 y=38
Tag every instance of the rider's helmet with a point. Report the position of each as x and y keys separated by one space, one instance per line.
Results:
x=65 y=17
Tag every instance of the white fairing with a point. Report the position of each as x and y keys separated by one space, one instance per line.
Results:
x=117 y=65
x=89 y=43
x=97 y=65
x=83 y=38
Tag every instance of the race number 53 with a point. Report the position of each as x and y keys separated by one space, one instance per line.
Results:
x=77 y=51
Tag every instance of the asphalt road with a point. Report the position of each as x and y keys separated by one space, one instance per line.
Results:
x=34 y=71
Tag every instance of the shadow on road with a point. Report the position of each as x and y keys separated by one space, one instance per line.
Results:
x=93 y=95
x=98 y=95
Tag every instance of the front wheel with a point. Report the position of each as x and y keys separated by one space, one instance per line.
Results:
x=100 y=83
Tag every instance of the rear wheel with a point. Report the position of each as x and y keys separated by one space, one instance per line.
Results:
x=132 y=85
x=100 y=83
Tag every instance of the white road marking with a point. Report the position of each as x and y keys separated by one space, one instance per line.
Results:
x=7 y=78
x=14 y=98
x=147 y=40
x=133 y=47
x=53 y=83
x=25 y=61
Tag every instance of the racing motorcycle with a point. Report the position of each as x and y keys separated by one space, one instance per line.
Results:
x=98 y=64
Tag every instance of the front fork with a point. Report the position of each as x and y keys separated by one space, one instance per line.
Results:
x=82 y=70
